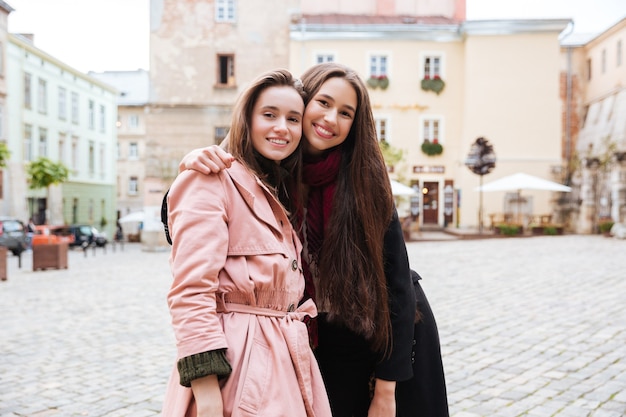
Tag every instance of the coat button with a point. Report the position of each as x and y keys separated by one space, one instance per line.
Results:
x=291 y=308
x=294 y=265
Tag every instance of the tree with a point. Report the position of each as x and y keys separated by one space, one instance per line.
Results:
x=391 y=155
x=4 y=154
x=481 y=160
x=43 y=173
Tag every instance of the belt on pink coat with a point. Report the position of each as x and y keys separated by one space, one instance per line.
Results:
x=297 y=338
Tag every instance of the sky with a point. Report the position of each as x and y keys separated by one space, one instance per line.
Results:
x=113 y=35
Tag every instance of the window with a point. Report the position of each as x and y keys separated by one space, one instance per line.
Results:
x=62 y=103
x=226 y=70
x=1 y=60
x=618 y=55
x=432 y=66
x=381 y=130
x=1 y=123
x=322 y=58
x=225 y=11
x=603 y=61
x=43 y=141
x=62 y=140
x=28 y=138
x=589 y=69
x=103 y=118
x=27 y=91
x=220 y=134
x=42 y=96
x=133 y=150
x=75 y=153
x=378 y=65
x=75 y=108
x=102 y=157
x=92 y=115
x=92 y=157
x=133 y=121
x=133 y=186
x=431 y=131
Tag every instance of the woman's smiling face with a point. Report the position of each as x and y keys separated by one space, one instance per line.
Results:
x=277 y=122
x=329 y=115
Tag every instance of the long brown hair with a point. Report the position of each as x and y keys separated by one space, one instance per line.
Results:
x=284 y=177
x=351 y=262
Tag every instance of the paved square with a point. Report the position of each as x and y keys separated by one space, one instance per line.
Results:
x=529 y=327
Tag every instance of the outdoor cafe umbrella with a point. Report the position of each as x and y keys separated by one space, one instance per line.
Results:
x=521 y=181
x=399 y=189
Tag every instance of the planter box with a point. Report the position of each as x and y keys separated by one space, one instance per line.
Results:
x=546 y=230
x=52 y=255
x=3 y=263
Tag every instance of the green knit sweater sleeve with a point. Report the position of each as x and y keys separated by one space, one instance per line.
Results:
x=196 y=366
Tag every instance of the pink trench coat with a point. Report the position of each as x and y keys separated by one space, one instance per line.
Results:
x=237 y=282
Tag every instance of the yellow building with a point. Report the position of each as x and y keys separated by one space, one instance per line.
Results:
x=500 y=81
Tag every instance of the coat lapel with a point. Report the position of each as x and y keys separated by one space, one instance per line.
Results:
x=250 y=187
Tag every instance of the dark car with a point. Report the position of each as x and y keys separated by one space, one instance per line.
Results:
x=84 y=235
x=13 y=235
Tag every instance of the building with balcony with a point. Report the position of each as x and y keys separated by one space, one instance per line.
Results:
x=594 y=95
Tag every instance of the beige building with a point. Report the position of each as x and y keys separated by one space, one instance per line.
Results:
x=500 y=81
x=202 y=55
x=596 y=69
x=447 y=82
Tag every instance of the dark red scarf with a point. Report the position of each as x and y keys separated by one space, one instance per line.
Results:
x=320 y=175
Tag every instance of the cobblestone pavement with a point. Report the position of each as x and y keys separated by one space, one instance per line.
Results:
x=529 y=327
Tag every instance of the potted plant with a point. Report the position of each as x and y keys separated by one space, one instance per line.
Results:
x=605 y=226
x=433 y=148
x=42 y=173
x=509 y=229
x=372 y=81
x=383 y=82
x=434 y=84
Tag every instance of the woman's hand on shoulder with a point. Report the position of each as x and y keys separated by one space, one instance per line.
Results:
x=384 y=402
x=209 y=160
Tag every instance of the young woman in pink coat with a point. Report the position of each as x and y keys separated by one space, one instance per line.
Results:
x=243 y=349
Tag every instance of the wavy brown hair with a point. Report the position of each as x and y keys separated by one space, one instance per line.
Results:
x=351 y=263
x=285 y=177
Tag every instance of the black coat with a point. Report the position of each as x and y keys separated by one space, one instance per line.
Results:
x=347 y=362
x=425 y=394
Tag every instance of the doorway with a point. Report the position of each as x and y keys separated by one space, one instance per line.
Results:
x=430 y=199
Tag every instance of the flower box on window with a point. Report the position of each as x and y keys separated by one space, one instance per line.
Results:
x=378 y=81
x=433 y=148
x=435 y=84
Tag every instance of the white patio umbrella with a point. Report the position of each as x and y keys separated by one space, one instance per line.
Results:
x=521 y=181
x=134 y=217
x=399 y=189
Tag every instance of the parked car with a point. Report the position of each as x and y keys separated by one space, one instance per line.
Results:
x=83 y=235
x=13 y=235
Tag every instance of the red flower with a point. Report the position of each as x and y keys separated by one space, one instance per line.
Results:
x=427 y=77
x=437 y=77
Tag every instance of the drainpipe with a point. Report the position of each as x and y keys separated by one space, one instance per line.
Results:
x=568 y=117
